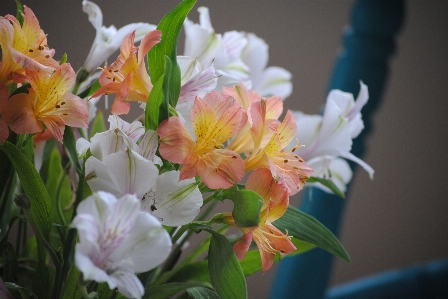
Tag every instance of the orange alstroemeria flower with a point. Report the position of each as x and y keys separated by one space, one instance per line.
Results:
x=268 y=238
x=215 y=119
x=23 y=48
x=47 y=103
x=286 y=167
x=127 y=76
x=243 y=142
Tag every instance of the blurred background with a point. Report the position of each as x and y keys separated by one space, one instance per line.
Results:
x=399 y=218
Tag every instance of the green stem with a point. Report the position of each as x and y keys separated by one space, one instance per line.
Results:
x=82 y=287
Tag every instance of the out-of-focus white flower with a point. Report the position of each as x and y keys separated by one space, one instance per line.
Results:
x=238 y=57
x=267 y=81
x=224 y=50
x=117 y=240
x=108 y=39
x=329 y=136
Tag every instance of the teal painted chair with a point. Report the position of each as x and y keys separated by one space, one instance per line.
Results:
x=368 y=46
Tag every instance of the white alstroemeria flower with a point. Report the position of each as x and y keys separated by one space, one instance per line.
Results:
x=351 y=109
x=108 y=39
x=330 y=136
x=267 y=81
x=224 y=50
x=174 y=202
x=117 y=240
x=195 y=80
x=121 y=136
x=124 y=172
x=134 y=130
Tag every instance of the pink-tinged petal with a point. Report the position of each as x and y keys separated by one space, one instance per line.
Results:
x=19 y=114
x=274 y=107
x=287 y=129
x=120 y=104
x=150 y=40
x=257 y=118
x=127 y=46
x=176 y=144
x=55 y=124
x=3 y=97
x=73 y=110
x=242 y=96
x=242 y=245
x=224 y=168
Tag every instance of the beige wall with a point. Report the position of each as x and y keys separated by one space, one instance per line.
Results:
x=400 y=217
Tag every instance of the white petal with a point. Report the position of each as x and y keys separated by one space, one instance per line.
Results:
x=82 y=146
x=134 y=130
x=176 y=202
x=360 y=162
x=147 y=246
x=255 y=55
x=141 y=29
x=199 y=85
x=89 y=270
x=131 y=173
x=148 y=145
x=189 y=67
x=274 y=81
x=98 y=178
x=109 y=142
x=94 y=13
x=128 y=284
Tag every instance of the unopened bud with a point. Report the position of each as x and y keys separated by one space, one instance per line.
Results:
x=22 y=201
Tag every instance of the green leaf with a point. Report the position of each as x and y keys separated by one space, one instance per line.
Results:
x=309 y=229
x=224 y=269
x=58 y=188
x=41 y=208
x=98 y=125
x=193 y=271
x=153 y=104
x=19 y=15
x=22 y=89
x=201 y=293
x=247 y=205
x=327 y=183
x=170 y=26
x=165 y=290
x=90 y=90
x=70 y=146
x=71 y=289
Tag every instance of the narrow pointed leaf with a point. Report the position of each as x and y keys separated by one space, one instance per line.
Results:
x=32 y=184
x=70 y=146
x=153 y=105
x=98 y=125
x=170 y=26
x=307 y=228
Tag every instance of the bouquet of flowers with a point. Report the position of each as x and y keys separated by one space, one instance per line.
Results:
x=112 y=207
